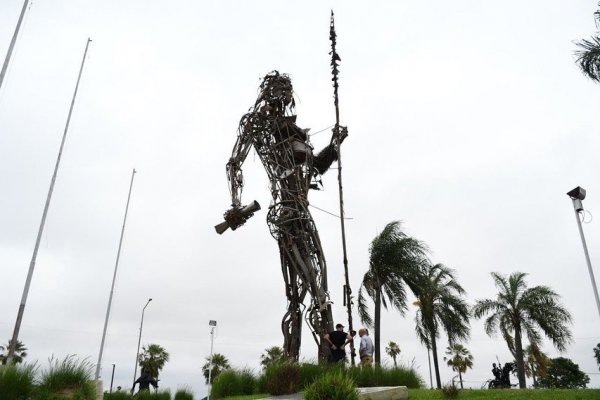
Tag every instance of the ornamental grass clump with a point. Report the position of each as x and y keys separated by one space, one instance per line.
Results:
x=16 y=381
x=68 y=378
x=118 y=396
x=282 y=378
x=450 y=391
x=226 y=384
x=333 y=385
x=181 y=394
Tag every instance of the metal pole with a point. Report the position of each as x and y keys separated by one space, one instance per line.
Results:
x=587 y=257
x=112 y=288
x=12 y=43
x=13 y=342
x=112 y=378
x=335 y=58
x=212 y=332
x=137 y=355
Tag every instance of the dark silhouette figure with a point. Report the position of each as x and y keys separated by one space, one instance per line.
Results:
x=501 y=376
x=145 y=380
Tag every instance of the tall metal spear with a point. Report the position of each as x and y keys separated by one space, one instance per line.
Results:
x=13 y=342
x=12 y=43
x=337 y=137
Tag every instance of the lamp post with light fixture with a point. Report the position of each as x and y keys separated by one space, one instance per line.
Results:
x=577 y=195
x=137 y=356
x=213 y=324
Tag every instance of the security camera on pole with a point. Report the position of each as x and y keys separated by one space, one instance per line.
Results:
x=577 y=195
x=213 y=324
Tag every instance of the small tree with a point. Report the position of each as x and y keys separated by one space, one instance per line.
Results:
x=153 y=359
x=564 y=374
x=219 y=364
x=20 y=353
x=271 y=355
x=597 y=354
x=393 y=350
x=460 y=359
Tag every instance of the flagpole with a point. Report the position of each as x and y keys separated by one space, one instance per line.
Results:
x=335 y=58
x=112 y=287
x=12 y=43
x=13 y=342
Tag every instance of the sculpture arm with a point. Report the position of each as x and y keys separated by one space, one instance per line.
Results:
x=234 y=165
x=329 y=154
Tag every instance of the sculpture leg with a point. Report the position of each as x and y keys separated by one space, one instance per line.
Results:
x=291 y=324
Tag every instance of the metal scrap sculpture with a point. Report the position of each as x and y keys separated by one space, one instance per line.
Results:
x=287 y=155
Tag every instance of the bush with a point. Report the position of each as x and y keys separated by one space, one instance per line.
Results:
x=380 y=376
x=117 y=396
x=67 y=378
x=334 y=385
x=310 y=372
x=181 y=394
x=282 y=378
x=16 y=381
x=248 y=384
x=450 y=391
x=226 y=384
x=148 y=395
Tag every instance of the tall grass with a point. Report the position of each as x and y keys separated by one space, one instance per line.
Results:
x=67 y=377
x=121 y=395
x=182 y=394
x=334 y=385
x=148 y=395
x=16 y=381
x=234 y=383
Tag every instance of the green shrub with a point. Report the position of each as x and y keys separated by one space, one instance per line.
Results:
x=333 y=385
x=148 y=395
x=16 y=381
x=67 y=378
x=450 y=391
x=122 y=395
x=380 y=376
x=310 y=372
x=248 y=384
x=282 y=378
x=182 y=394
x=226 y=384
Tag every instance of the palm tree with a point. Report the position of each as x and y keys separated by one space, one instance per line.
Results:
x=219 y=364
x=460 y=359
x=441 y=305
x=597 y=354
x=271 y=355
x=393 y=350
x=395 y=259
x=153 y=359
x=519 y=310
x=588 y=57
x=536 y=363
x=20 y=353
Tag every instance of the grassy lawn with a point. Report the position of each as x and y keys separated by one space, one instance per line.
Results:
x=537 y=394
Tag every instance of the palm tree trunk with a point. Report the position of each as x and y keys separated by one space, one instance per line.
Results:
x=377 y=324
x=395 y=365
x=460 y=378
x=519 y=357
x=435 y=361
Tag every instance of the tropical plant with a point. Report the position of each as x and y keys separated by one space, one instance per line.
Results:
x=283 y=378
x=588 y=56
x=333 y=385
x=271 y=355
x=441 y=306
x=536 y=363
x=20 y=353
x=519 y=310
x=220 y=363
x=597 y=354
x=69 y=376
x=460 y=359
x=153 y=359
x=393 y=350
x=184 y=394
x=564 y=374
x=17 y=381
x=395 y=259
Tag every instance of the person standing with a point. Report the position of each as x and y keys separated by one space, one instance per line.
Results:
x=365 y=351
x=337 y=340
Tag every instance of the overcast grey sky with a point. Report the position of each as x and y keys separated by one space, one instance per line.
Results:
x=468 y=120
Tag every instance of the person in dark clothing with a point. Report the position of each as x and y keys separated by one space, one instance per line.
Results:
x=337 y=340
x=145 y=380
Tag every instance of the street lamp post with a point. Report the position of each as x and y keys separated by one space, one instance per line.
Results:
x=577 y=195
x=112 y=378
x=137 y=355
x=212 y=323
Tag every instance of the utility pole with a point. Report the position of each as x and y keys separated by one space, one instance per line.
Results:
x=112 y=287
x=335 y=58
x=15 y=336
x=12 y=43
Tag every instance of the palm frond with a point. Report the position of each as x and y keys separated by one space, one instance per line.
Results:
x=588 y=57
x=363 y=309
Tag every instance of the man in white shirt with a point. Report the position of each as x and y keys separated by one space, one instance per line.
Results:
x=366 y=348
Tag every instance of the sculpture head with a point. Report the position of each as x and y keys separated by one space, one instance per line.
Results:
x=276 y=93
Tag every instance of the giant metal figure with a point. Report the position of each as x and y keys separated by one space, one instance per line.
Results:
x=287 y=155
